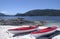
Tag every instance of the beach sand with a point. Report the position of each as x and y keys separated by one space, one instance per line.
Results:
x=4 y=34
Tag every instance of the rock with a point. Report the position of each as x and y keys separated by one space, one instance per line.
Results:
x=39 y=22
x=56 y=37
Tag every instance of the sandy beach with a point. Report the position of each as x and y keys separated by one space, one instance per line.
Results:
x=4 y=34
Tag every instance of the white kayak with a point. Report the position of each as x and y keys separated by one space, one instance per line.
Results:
x=22 y=29
x=43 y=32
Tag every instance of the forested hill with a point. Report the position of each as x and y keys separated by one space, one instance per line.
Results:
x=43 y=12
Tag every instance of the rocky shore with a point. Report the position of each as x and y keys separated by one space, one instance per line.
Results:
x=19 y=21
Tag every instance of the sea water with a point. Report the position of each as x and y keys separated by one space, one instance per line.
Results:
x=34 y=18
x=51 y=20
x=53 y=24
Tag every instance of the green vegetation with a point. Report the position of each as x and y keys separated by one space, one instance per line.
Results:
x=42 y=12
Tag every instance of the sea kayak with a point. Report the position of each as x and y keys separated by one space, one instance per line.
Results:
x=43 y=32
x=22 y=29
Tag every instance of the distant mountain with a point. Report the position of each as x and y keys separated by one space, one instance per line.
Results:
x=44 y=12
x=1 y=14
x=18 y=14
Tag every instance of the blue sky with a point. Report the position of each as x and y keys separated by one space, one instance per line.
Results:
x=11 y=7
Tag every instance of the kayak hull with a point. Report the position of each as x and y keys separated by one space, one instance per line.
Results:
x=42 y=34
x=22 y=31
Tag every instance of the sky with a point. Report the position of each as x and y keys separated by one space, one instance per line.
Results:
x=12 y=7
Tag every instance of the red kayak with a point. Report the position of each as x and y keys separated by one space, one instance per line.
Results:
x=23 y=29
x=45 y=31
